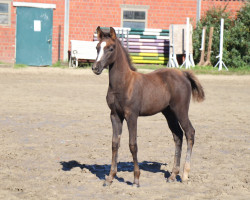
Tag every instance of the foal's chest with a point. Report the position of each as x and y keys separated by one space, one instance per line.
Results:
x=115 y=101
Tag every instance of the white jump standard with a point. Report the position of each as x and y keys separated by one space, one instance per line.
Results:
x=220 y=62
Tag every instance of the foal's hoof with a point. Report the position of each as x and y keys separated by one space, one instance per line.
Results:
x=184 y=179
x=107 y=183
x=136 y=185
x=170 y=180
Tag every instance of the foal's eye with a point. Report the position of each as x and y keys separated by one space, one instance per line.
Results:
x=111 y=49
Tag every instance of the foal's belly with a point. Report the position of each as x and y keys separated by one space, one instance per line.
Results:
x=154 y=102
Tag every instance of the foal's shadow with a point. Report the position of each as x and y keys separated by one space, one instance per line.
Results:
x=103 y=170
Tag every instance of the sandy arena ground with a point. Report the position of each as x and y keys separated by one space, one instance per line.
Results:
x=55 y=140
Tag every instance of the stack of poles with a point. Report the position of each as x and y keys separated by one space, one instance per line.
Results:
x=145 y=46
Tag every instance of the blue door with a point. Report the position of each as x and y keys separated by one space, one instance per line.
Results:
x=34 y=36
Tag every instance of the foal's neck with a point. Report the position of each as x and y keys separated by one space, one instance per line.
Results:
x=119 y=70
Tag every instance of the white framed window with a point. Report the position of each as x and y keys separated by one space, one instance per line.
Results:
x=134 y=16
x=5 y=12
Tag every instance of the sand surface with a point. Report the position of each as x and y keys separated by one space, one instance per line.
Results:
x=55 y=140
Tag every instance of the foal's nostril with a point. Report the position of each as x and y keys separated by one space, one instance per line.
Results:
x=94 y=66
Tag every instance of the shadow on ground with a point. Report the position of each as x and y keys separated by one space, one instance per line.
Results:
x=103 y=170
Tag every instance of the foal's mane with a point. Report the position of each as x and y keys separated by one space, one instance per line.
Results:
x=127 y=55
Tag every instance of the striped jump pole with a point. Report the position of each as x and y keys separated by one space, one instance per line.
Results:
x=149 y=42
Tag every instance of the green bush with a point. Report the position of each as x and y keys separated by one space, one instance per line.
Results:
x=236 y=43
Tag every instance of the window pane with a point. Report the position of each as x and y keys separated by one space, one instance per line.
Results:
x=3 y=19
x=128 y=15
x=3 y=8
x=139 y=15
x=128 y=24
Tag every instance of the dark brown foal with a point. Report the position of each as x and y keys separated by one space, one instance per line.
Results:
x=132 y=94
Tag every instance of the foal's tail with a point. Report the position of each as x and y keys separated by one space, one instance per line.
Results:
x=197 y=89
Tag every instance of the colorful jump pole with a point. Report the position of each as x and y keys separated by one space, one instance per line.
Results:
x=220 y=62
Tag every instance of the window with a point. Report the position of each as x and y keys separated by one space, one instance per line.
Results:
x=5 y=12
x=134 y=16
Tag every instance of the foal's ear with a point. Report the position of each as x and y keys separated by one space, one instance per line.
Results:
x=112 y=33
x=100 y=34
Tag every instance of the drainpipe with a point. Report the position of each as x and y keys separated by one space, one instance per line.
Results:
x=66 y=31
x=198 y=11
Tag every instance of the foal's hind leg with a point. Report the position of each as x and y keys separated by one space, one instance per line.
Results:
x=178 y=136
x=117 y=130
x=189 y=133
x=186 y=125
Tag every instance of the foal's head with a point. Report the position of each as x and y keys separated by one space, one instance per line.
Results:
x=105 y=50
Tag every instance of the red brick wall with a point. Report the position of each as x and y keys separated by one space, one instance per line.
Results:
x=7 y=41
x=91 y=14
x=163 y=13
x=232 y=5
x=86 y=15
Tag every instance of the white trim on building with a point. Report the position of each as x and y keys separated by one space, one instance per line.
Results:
x=35 y=5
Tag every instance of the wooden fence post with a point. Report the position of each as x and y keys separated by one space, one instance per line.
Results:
x=208 y=61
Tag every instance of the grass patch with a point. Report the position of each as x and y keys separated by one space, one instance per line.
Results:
x=19 y=66
x=203 y=69
x=60 y=64
x=57 y=64
x=241 y=70
x=214 y=70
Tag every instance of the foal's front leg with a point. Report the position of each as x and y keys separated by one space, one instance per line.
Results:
x=132 y=128
x=117 y=130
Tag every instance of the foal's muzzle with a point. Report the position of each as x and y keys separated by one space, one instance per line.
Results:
x=97 y=68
